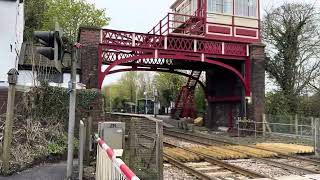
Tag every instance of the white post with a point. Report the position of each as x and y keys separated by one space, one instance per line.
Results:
x=166 y=42
x=136 y=108
x=255 y=129
x=133 y=39
x=110 y=103
x=316 y=137
x=146 y=106
x=264 y=125
x=296 y=125
x=82 y=140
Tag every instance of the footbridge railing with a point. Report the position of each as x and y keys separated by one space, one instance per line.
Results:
x=109 y=167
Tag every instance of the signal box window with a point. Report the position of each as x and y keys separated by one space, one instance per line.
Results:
x=220 y=6
x=246 y=8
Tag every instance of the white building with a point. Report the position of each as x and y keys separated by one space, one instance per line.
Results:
x=13 y=52
x=11 y=36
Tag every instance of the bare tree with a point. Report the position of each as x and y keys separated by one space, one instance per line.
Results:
x=291 y=33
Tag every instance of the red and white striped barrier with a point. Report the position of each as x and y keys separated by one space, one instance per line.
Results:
x=107 y=167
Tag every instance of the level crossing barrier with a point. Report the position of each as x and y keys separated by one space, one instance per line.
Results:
x=109 y=167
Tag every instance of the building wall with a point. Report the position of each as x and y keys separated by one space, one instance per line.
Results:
x=27 y=78
x=11 y=36
x=90 y=39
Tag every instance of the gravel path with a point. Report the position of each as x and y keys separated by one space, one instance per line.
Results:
x=262 y=168
x=173 y=173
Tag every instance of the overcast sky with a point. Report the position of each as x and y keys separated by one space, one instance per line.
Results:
x=142 y=15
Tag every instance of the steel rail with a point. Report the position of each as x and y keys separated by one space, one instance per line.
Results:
x=274 y=163
x=192 y=171
x=193 y=137
x=220 y=163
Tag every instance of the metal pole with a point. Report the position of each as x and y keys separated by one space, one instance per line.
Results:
x=316 y=137
x=296 y=125
x=72 y=109
x=155 y=103
x=136 y=109
x=238 y=124
x=255 y=129
x=300 y=134
x=82 y=142
x=110 y=99
x=146 y=108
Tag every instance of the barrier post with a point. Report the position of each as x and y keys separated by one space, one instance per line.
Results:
x=296 y=123
x=108 y=166
x=87 y=146
x=82 y=140
x=264 y=125
x=316 y=137
x=159 y=149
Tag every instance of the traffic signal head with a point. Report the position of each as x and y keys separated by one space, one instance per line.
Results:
x=45 y=37
x=53 y=47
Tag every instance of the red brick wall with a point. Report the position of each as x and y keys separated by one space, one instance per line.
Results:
x=257 y=108
x=90 y=38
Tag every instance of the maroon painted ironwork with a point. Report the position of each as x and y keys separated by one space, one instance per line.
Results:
x=185 y=105
x=139 y=49
x=182 y=41
x=191 y=23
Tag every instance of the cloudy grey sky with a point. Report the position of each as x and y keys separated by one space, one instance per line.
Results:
x=142 y=15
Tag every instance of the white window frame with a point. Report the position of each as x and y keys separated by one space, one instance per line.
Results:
x=248 y=9
x=222 y=7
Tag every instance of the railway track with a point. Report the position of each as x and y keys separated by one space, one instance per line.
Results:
x=211 y=168
x=313 y=166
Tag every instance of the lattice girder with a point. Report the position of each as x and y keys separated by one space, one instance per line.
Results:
x=150 y=50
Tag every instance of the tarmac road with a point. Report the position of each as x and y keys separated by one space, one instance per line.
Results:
x=42 y=172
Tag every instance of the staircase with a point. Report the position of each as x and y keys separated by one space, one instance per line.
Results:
x=185 y=106
x=192 y=26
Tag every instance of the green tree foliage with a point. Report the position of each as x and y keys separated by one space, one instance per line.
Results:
x=309 y=105
x=71 y=14
x=200 y=99
x=122 y=91
x=291 y=32
x=129 y=84
x=168 y=86
x=34 y=16
x=276 y=103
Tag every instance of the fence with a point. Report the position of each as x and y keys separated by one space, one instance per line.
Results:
x=109 y=167
x=302 y=130
x=144 y=146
